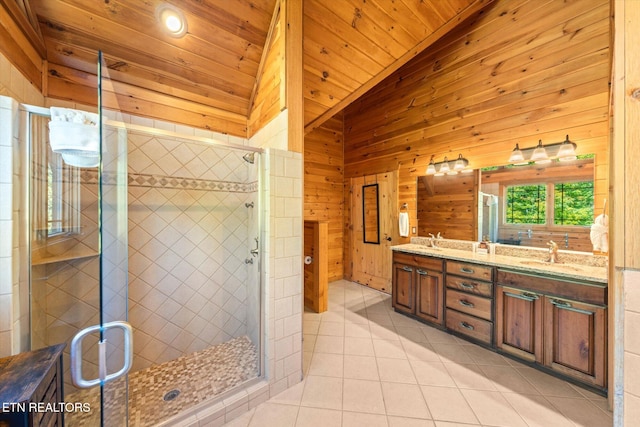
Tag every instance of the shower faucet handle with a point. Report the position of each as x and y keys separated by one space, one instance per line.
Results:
x=254 y=252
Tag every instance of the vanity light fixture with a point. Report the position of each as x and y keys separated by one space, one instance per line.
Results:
x=542 y=154
x=448 y=167
x=567 y=151
x=539 y=154
x=516 y=155
x=172 y=20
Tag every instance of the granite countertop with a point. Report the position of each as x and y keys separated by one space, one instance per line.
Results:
x=567 y=270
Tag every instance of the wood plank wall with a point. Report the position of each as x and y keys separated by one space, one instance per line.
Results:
x=323 y=186
x=525 y=70
x=80 y=86
x=19 y=42
x=443 y=200
x=268 y=100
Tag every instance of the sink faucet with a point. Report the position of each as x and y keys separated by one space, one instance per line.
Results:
x=432 y=240
x=553 y=252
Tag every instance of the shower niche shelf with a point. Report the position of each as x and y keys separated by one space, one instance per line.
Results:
x=69 y=255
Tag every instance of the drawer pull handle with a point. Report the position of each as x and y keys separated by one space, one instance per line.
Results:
x=409 y=269
x=467 y=326
x=527 y=296
x=466 y=270
x=564 y=305
x=466 y=303
x=560 y=304
x=467 y=285
x=422 y=272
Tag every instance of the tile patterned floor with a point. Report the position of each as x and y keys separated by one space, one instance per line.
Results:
x=198 y=376
x=366 y=365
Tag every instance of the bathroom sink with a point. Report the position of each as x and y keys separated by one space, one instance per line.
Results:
x=558 y=265
x=535 y=262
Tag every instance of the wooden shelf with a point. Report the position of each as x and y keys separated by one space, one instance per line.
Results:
x=77 y=252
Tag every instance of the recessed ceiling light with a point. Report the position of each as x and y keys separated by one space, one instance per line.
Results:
x=172 y=20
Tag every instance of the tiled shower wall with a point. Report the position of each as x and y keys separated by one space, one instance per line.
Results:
x=14 y=286
x=283 y=272
x=188 y=242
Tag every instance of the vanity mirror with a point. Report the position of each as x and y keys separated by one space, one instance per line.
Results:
x=519 y=205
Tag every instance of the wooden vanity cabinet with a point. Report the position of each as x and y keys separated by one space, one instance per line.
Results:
x=575 y=339
x=560 y=324
x=519 y=323
x=30 y=382
x=469 y=300
x=418 y=287
x=403 y=287
x=556 y=323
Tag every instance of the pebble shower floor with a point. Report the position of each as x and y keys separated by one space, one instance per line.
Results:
x=199 y=376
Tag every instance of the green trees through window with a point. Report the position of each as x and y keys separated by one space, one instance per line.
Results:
x=573 y=203
x=570 y=202
x=526 y=204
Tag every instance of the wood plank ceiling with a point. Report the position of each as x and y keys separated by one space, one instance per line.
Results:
x=349 y=46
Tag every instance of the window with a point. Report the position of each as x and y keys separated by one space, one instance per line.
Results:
x=55 y=187
x=526 y=204
x=54 y=195
x=573 y=203
x=561 y=204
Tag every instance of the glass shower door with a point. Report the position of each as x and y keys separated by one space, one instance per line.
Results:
x=115 y=346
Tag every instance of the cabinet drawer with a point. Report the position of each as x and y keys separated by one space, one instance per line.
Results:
x=473 y=327
x=587 y=292
x=470 y=285
x=470 y=304
x=427 y=263
x=465 y=269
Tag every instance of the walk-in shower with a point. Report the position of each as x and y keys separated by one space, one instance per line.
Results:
x=194 y=303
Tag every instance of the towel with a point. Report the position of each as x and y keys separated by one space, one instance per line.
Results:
x=600 y=233
x=75 y=135
x=403 y=224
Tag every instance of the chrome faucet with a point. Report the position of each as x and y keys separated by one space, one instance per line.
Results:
x=432 y=240
x=553 y=252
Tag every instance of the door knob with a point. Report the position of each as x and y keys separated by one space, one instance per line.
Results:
x=388 y=239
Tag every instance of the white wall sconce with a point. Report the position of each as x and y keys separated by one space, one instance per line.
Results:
x=448 y=167
x=541 y=154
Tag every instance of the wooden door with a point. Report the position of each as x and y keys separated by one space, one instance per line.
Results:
x=372 y=262
x=519 y=323
x=575 y=339
x=404 y=288
x=430 y=296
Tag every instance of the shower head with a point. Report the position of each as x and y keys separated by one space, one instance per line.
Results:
x=250 y=157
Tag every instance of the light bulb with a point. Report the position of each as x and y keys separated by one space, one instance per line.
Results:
x=431 y=169
x=567 y=151
x=444 y=166
x=540 y=154
x=460 y=164
x=516 y=155
x=172 y=20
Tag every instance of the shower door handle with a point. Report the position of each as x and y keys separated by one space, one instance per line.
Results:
x=103 y=376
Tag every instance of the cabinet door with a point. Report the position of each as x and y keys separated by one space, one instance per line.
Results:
x=430 y=296
x=403 y=289
x=519 y=323
x=575 y=339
